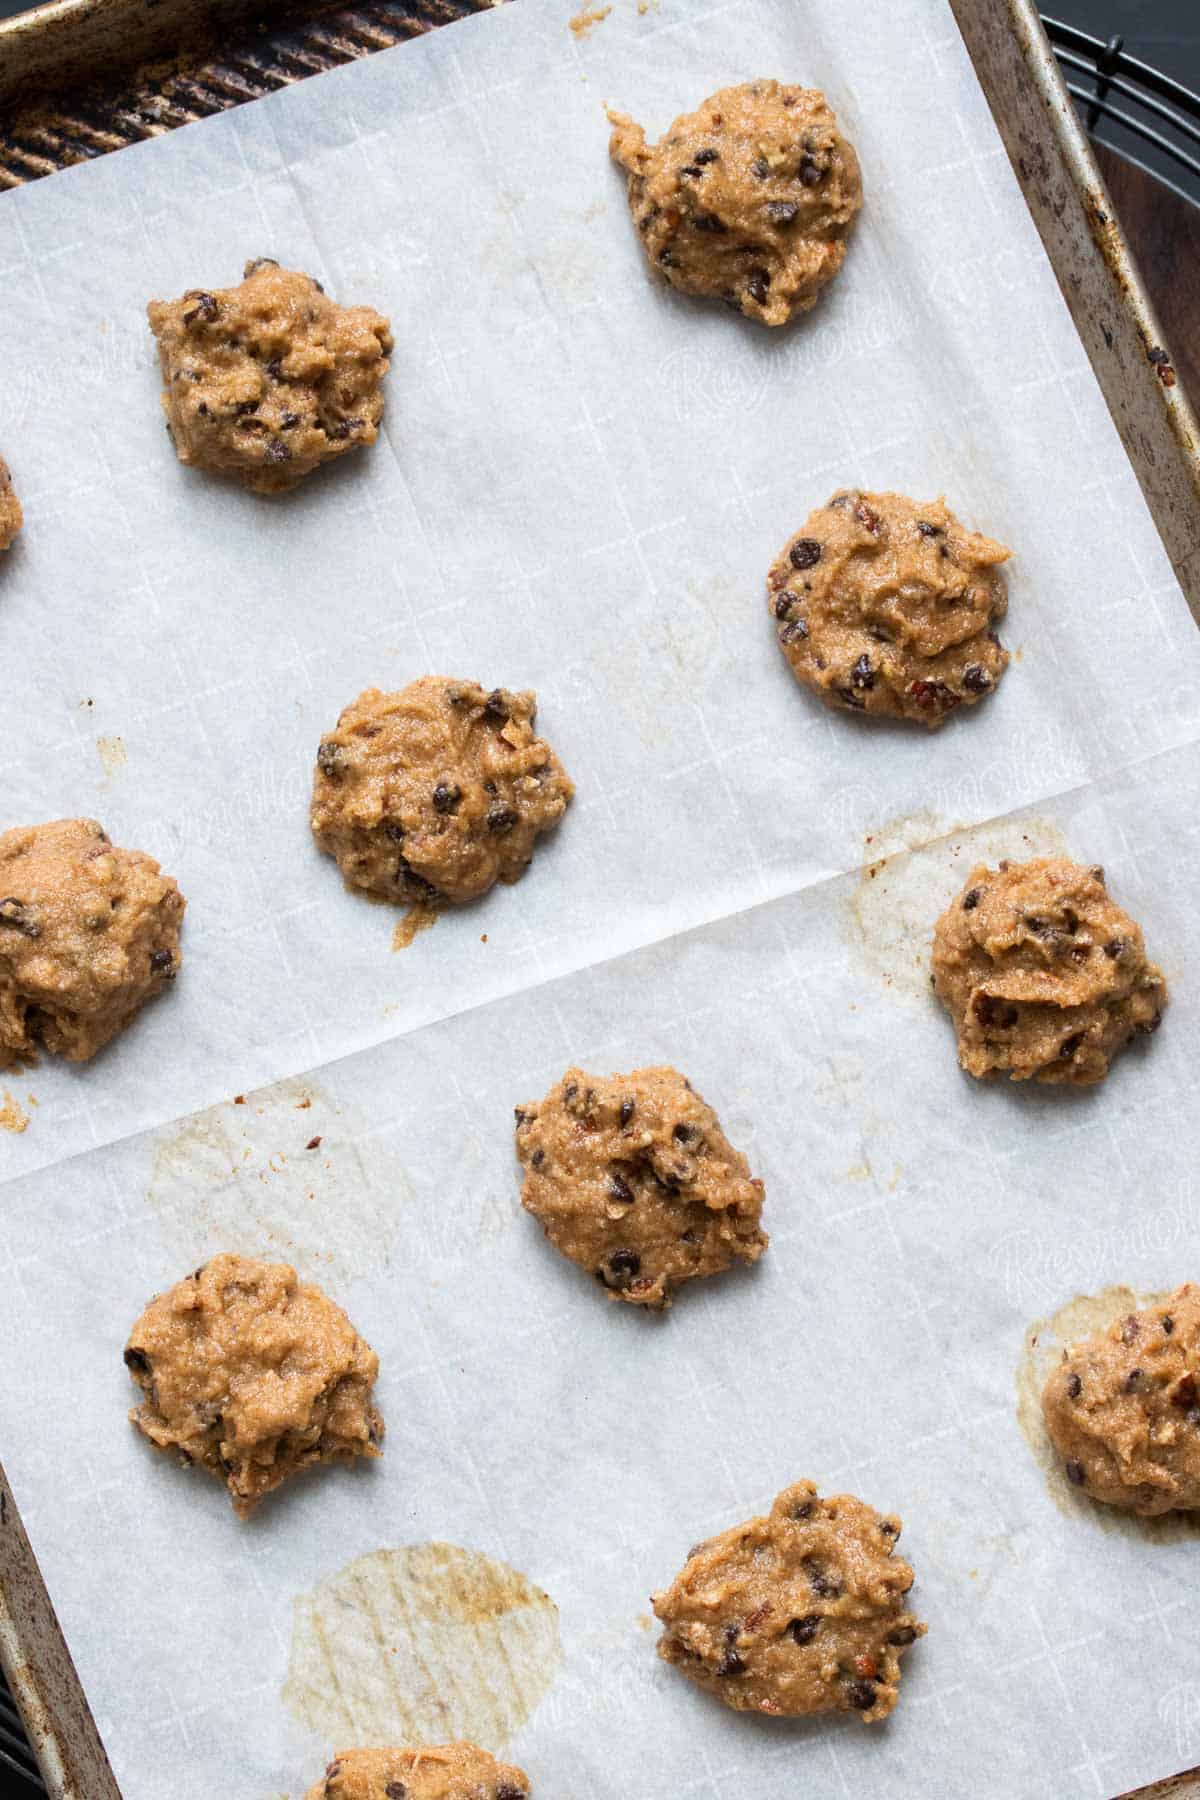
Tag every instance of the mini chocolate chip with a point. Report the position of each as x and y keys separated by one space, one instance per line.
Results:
x=971 y=899
x=506 y=1791
x=331 y=758
x=810 y=172
x=1168 y=1324
x=1116 y=947
x=759 y=285
x=289 y=421
x=804 y=1510
x=827 y=1586
x=761 y=168
x=903 y=1634
x=137 y=1361
x=804 y=553
x=706 y=156
x=690 y=171
x=161 y=960
x=976 y=679
x=850 y=697
x=446 y=797
x=277 y=452
x=260 y=262
x=1074 y=1386
x=206 y=308
x=1075 y=1473
x=685 y=1133
x=861 y=1695
x=1069 y=1046
x=730 y=1664
x=496 y=704
x=538 y=1158
x=501 y=819
x=803 y=1631
x=1133 y=1381
x=668 y=260
x=626 y=1111
x=704 y=221
x=794 y=632
x=862 y=675
x=316 y=284
x=784 y=602
x=1130 y=1328
x=625 y=1262
x=928 y=530
x=346 y=428
x=17 y=916
x=783 y=212
x=619 y=1188
x=395 y=1790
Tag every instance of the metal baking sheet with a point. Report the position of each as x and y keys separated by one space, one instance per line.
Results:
x=1132 y=373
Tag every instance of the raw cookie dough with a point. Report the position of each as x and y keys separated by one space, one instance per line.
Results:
x=800 y=1612
x=88 y=934
x=11 y=516
x=437 y=792
x=887 y=607
x=253 y=1375
x=632 y=1178
x=1044 y=976
x=1123 y=1410
x=268 y=380
x=748 y=200
x=432 y=1772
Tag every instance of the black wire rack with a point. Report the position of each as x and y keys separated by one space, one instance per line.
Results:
x=1124 y=103
x=1132 y=107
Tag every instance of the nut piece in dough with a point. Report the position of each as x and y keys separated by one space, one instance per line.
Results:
x=437 y=792
x=747 y=200
x=11 y=516
x=88 y=934
x=431 y=1772
x=632 y=1178
x=1123 y=1409
x=253 y=1375
x=268 y=380
x=887 y=607
x=799 y=1612
x=1044 y=976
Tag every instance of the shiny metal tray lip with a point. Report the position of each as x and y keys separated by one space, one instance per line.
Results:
x=49 y=50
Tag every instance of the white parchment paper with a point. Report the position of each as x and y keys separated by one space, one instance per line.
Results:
x=583 y=482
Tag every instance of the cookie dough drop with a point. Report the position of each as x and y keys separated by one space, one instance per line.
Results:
x=252 y=1375
x=433 y=794
x=1044 y=976
x=1123 y=1409
x=431 y=1772
x=11 y=516
x=88 y=933
x=267 y=381
x=632 y=1177
x=802 y=1611
x=886 y=607
x=749 y=200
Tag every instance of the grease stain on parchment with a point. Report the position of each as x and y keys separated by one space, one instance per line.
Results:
x=917 y=862
x=1085 y=1316
x=241 y=1176
x=419 y=917
x=427 y=1643
x=111 y=751
x=13 y=1116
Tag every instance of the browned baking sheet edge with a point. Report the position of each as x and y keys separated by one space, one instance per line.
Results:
x=151 y=65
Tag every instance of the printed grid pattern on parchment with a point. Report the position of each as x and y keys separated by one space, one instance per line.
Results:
x=583 y=482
